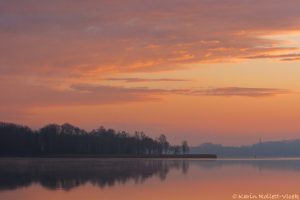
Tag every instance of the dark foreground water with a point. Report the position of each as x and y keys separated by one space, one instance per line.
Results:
x=138 y=179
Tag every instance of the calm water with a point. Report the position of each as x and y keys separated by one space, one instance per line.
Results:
x=136 y=179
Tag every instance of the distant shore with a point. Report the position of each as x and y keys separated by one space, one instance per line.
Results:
x=165 y=156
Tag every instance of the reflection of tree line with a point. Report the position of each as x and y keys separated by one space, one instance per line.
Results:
x=56 y=139
x=70 y=173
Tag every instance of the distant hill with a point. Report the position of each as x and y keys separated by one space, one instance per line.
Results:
x=285 y=148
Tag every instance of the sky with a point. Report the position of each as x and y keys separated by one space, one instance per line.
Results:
x=220 y=71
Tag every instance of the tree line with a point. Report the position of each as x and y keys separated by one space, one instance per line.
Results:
x=55 y=139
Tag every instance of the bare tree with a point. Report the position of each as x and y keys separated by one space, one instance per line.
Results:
x=185 y=147
x=162 y=139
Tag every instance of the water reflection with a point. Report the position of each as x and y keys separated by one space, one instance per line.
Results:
x=67 y=174
x=291 y=164
x=70 y=173
x=130 y=179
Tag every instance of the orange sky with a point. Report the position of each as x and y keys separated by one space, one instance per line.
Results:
x=202 y=70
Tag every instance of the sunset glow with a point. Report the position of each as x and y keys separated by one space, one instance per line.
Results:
x=201 y=70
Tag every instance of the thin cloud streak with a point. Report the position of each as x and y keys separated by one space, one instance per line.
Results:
x=222 y=91
x=138 y=80
x=87 y=94
x=240 y=91
x=282 y=57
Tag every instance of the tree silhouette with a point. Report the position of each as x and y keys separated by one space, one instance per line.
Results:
x=54 y=139
x=185 y=147
x=163 y=143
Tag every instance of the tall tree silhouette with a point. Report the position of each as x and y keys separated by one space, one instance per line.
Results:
x=54 y=139
x=185 y=147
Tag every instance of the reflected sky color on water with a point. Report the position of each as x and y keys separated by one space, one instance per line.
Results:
x=33 y=179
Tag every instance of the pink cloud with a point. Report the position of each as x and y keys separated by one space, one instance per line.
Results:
x=73 y=38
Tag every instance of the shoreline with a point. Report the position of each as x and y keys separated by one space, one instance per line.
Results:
x=185 y=156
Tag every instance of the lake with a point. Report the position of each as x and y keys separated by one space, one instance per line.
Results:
x=149 y=179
